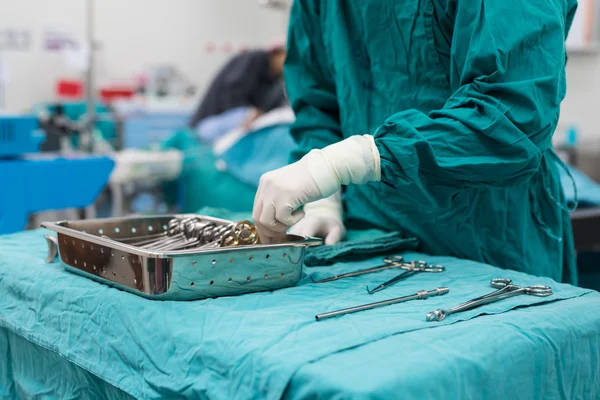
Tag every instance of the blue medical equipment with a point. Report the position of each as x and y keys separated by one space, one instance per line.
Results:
x=143 y=129
x=18 y=135
x=75 y=112
x=37 y=182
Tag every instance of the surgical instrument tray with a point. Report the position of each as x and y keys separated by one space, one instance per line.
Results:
x=99 y=249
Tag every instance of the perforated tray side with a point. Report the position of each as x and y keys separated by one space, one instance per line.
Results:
x=176 y=275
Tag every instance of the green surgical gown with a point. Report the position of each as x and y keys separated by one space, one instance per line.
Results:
x=462 y=97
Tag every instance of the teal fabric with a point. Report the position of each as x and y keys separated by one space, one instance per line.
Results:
x=528 y=354
x=254 y=346
x=259 y=152
x=201 y=184
x=368 y=243
x=462 y=102
x=30 y=371
x=344 y=376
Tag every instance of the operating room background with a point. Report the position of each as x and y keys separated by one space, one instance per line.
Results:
x=197 y=36
x=135 y=33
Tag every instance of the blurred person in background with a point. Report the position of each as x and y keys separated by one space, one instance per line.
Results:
x=249 y=80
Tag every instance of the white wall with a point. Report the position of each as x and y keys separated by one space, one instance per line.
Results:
x=132 y=34
x=582 y=103
x=176 y=31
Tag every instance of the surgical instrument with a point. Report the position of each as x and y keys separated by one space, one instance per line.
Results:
x=420 y=295
x=505 y=290
x=393 y=262
x=195 y=233
x=189 y=274
x=410 y=268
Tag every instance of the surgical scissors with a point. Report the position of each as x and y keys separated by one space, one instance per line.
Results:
x=392 y=262
x=505 y=290
x=410 y=268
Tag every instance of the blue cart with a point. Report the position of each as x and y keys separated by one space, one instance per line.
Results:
x=33 y=182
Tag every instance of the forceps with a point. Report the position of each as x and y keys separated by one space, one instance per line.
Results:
x=393 y=262
x=505 y=290
x=410 y=269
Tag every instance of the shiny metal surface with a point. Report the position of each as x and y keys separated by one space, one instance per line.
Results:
x=196 y=233
x=52 y=248
x=180 y=274
x=420 y=295
x=505 y=290
x=393 y=262
x=411 y=268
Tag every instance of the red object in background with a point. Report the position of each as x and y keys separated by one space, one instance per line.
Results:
x=210 y=47
x=69 y=89
x=227 y=47
x=111 y=93
x=244 y=48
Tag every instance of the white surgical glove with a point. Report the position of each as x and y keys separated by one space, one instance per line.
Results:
x=318 y=175
x=323 y=219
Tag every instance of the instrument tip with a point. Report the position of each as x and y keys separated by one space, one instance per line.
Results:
x=377 y=289
x=436 y=315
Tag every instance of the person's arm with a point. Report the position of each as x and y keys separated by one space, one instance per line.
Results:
x=508 y=76
x=508 y=79
x=310 y=84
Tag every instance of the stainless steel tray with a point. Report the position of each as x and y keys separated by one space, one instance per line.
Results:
x=175 y=275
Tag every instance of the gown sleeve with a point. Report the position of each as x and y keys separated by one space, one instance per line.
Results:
x=310 y=84
x=507 y=76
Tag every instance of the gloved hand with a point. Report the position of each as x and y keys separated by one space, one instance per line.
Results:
x=318 y=175
x=323 y=219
